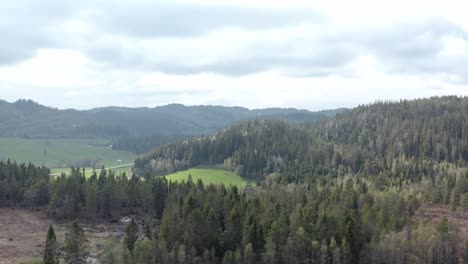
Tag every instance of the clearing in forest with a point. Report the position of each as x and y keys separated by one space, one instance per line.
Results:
x=437 y=213
x=209 y=175
x=23 y=233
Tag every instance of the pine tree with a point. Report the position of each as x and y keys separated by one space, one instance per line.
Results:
x=76 y=245
x=51 y=247
x=131 y=235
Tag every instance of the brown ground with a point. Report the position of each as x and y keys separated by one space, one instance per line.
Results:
x=436 y=213
x=23 y=233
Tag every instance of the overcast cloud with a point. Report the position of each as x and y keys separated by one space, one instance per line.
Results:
x=304 y=54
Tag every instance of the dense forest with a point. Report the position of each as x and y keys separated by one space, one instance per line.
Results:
x=134 y=129
x=140 y=145
x=342 y=220
x=390 y=140
x=341 y=191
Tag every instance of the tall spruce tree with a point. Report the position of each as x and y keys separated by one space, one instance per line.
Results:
x=76 y=245
x=51 y=248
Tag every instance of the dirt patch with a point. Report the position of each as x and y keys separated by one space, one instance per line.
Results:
x=23 y=233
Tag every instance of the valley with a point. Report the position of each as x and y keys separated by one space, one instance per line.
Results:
x=385 y=181
x=233 y=132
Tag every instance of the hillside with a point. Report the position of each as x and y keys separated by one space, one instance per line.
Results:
x=26 y=118
x=346 y=190
x=378 y=139
x=136 y=130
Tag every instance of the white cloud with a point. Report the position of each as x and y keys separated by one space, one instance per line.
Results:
x=306 y=54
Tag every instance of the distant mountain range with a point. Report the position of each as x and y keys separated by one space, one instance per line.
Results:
x=26 y=118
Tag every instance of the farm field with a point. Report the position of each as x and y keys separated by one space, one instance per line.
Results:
x=209 y=175
x=63 y=153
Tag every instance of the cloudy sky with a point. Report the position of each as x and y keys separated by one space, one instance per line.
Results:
x=252 y=53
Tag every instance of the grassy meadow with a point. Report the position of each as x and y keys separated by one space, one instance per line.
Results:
x=127 y=168
x=63 y=153
x=209 y=175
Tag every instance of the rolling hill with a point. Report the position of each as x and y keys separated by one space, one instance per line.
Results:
x=25 y=118
x=135 y=129
x=402 y=139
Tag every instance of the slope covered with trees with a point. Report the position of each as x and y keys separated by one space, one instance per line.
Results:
x=134 y=129
x=341 y=191
x=342 y=220
x=390 y=140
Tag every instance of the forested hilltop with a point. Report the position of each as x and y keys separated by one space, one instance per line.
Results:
x=134 y=129
x=393 y=141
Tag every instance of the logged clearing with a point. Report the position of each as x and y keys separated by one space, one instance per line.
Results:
x=436 y=213
x=23 y=233
x=127 y=168
x=209 y=175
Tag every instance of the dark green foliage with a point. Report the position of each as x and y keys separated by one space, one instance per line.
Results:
x=142 y=144
x=394 y=142
x=22 y=184
x=76 y=245
x=51 y=248
x=250 y=149
x=335 y=220
x=133 y=129
x=131 y=235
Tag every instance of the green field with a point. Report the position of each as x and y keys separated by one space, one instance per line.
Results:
x=209 y=175
x=63 y=153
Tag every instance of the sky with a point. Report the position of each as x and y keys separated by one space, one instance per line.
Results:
x=253 y=53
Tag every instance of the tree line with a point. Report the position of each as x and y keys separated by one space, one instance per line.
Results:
x=144 y=144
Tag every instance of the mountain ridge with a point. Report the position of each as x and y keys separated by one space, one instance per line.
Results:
x=29 y=119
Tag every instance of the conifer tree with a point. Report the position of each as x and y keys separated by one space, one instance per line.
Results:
x=131 y=235
x=51 y=248
x=76 y=245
